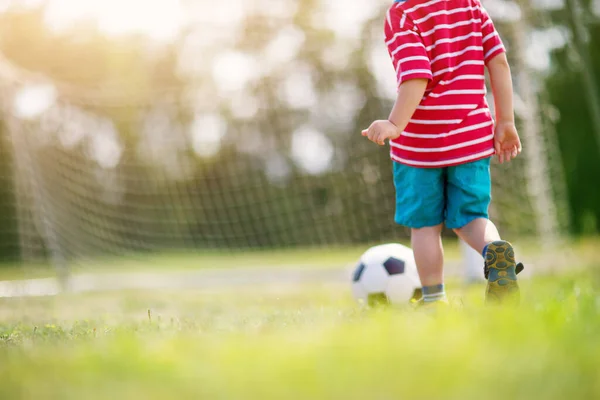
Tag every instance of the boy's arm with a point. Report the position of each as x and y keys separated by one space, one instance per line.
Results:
x=502 y=88
x=506 y=138
x=413 y=71
x=409 y=96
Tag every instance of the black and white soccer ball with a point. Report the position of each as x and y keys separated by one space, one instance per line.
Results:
x=386 y=274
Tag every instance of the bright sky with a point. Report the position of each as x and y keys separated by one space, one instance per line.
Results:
x=159 y=19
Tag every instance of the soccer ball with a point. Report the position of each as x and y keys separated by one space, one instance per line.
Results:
x=386 y=274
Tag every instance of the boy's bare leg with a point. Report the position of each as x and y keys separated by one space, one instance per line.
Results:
x=429 y=256
x=478 y=233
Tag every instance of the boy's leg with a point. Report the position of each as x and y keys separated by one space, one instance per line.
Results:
x=473 y=260
x=420 y=205
x=469 y=195
x=500 y=267
x=429 y=256
x=478 y=233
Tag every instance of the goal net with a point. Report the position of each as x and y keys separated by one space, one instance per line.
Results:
x=246 y=138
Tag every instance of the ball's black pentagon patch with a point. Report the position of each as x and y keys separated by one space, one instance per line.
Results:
x=377 y=300
x=394 y=266
x=358 y=272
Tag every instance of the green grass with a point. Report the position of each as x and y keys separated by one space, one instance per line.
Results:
x=329 y=257
x=322 y=258
x=302 y=342
x=210 y=259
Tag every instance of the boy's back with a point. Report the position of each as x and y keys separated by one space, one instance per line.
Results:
x=448 y=42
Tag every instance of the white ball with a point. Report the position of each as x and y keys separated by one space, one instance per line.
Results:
x=385 y=274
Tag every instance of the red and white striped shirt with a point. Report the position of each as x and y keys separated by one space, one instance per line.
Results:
x=448 y=42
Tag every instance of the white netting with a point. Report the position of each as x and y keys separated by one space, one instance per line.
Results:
x=254 y=145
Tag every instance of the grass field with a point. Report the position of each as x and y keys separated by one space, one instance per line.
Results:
x=306 y=341
x=185 y=261
x=312 y=258
x=301 y=342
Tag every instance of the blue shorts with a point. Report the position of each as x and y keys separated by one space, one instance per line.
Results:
x=430 y=196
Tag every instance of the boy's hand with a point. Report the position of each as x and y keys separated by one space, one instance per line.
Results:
x=381 y=130
x=506 y=141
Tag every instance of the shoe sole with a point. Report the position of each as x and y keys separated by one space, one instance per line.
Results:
x=502 y=287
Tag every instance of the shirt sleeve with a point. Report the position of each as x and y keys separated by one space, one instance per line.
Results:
x=406 y=49
x=492 y=44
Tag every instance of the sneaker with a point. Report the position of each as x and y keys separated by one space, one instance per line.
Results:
x=501 y=273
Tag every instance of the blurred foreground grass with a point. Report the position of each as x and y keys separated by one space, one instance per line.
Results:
x=302 y=342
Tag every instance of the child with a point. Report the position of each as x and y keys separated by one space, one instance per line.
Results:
x=442 y=135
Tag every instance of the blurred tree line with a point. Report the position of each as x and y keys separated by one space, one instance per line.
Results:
x=579 y=137
x=244 y=188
